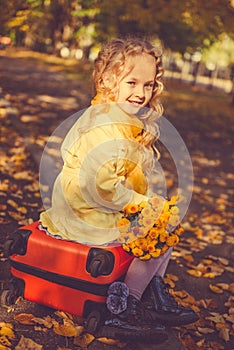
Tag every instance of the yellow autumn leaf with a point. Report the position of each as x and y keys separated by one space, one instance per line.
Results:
x=209 y=275
x=66 y=330
x=6 y=330
x=215 y=289
x=3 y=347
x=84 y=340
x=27 y=343
x=24 y=318
x=195 y=273
x=4 y=341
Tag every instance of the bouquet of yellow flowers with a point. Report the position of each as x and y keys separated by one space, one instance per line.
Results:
x=148 y=229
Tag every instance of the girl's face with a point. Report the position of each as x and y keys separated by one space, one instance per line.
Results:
x=137 y=81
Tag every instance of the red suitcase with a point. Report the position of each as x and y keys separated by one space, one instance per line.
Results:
x=61 y=274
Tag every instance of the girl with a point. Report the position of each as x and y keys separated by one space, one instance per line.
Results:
x=109 y=155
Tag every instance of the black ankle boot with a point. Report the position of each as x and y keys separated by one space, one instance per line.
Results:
x=166 y=309
x=131 y=325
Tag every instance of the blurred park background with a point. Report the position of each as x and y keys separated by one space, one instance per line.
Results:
x=197 y=35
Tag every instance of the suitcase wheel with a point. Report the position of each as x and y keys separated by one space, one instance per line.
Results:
x=16 y=243
x=93 y=321
x=8 y=297
x=15 y=289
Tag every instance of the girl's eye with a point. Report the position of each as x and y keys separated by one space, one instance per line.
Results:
x=149 y=85
x=131 y=83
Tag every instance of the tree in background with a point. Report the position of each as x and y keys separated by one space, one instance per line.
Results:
x=183 y=26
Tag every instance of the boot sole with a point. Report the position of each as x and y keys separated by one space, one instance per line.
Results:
x=169 y=320
x=147 y=335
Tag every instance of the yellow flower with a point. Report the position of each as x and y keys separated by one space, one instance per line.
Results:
x=179 y=231
x=156 y=253
x=143 y=204
x=123 y=225
x=151 y=247
x=131 y=209
x=174 y=210
x=156 y=202
x=154 y=232
x=148 y=222
x=147 y=211
x=163 y=236
x=172 y=241
x=141 y=243
x=174 y=220
x=173 y=200
x=165 y=248
x=145 y=257
x=126 y=248
x=137 y=252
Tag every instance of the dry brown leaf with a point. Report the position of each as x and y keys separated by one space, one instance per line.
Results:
x=6 y=330
x=205 y=330
x=189 y=258
x=47 y=321
x=220 y=325
x=215 y=317
x=180 y=293
x=84 y=340
x=24 y=318
x=215 y=346
x=215 y=289
x=231 y=288
x=224 y=334
x=108 y=341
x=229 y=318
x=201 y=342
x=27 y=343
x=64 y=315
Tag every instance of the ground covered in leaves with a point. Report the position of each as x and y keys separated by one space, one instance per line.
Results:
x=37 y=93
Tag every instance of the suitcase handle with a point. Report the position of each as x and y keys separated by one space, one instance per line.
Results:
x=100 y=262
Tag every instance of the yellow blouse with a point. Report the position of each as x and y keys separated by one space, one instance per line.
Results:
x=102 y=173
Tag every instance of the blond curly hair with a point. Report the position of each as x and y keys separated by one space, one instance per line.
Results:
x=111 y=60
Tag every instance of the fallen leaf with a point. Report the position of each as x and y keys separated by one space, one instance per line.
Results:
x=215 y=289
x=224 y=334
x=27 y=343
x=6 y=330
x=66 y=330
x=84 y=340
x=47 y=322
x=205 y=330
x=195 y=273
x=231 y=288
x=108 y=341
x=216 y=318
x=24 y=318
x=3 y=347
x=64 y=315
